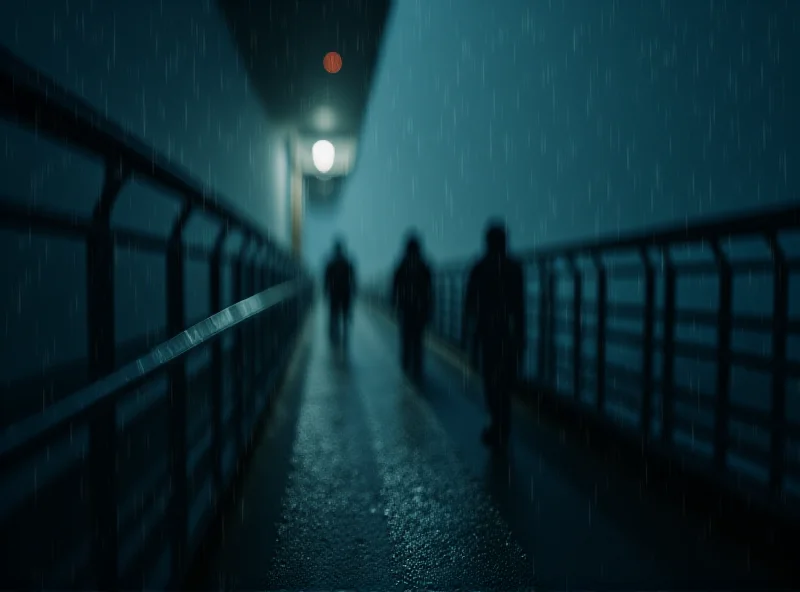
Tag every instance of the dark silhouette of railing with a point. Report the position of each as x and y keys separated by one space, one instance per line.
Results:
x=113 y=486
x=744 y=434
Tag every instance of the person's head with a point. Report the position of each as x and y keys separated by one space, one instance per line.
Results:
x=412 y=246
x=496 y=238
x=338 y=247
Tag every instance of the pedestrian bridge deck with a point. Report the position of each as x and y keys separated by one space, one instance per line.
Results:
x=112 y=473
x=362 y=480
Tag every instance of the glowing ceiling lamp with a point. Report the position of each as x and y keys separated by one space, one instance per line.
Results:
x=322 y=153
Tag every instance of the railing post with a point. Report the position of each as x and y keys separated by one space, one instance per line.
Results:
x=602 y=304
x=445 y=330
x=388 y=297
x=552 y=354
x=217 y=383
x=455 y=309
x=458 y=299
x=647 y=350
x=270 y=338
x=449 y=320
x=541 y=362
x=263 y=328
x=577 y=342
x=266 y=270
x=265 y=278
x=250 y=331
x=780 y=320
x=238 y=350
x=668 y=350
x=464 y=280
x=103 y=428
x=722 y=415
x=269 y=267
x=178 y=391
x=258 y=275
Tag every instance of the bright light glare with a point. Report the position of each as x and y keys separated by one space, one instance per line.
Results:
x=322 y=153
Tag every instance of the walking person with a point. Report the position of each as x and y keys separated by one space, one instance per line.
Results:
x=339 y=287
x=494 y=314
x=412 y=297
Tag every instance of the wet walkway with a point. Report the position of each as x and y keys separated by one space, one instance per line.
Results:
x=363 y=481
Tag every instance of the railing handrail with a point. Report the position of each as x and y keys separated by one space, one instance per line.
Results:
x=18 y=439
x=44 y=105
x=32 y=101
x=576 y=328
x=70 y=226
x=760 y=222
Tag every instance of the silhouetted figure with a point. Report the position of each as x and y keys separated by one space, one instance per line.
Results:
x=340 y=282
x=494 y=313
x=412 y=299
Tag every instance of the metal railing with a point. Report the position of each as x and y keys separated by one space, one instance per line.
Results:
x=684 y=336
x=112 y=486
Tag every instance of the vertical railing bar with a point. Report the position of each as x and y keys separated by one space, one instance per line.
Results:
x=602 y=304
x=262 y=319
x=270 y=339
x=178 y=390
x=238 y=351
x=780 y=321
x=722 y=413
x=440 y=304
x=668 y=349
x=552 y=355
x=444 y=317
x=526 y=362
x=103 y=453
x=217 y=365
x=252 y=335
x=266 y=270
x=454 y=316
x=257 y=287
x=247 y=341
x=541 y=307
x=541 y=353
x=447 y=308
x=577 y=342
x=647 y=350
x=448 y=304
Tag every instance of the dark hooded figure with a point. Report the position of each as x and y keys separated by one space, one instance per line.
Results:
x=339 y=287
x=494 y=313
x=412 y=299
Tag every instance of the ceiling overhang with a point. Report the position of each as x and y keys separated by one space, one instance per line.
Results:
x=283 y=44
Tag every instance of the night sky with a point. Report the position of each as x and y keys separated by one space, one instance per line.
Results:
x=570 y=118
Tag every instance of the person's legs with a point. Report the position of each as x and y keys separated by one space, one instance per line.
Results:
x=503 y=414
x=499 y=370
x=508 y=380
x=345 y=324
x=405 y=345
x=416 y=351
x=336 y=323
x=332 y=320
x=491 y=396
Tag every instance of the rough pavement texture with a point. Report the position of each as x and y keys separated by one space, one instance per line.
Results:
x=363 y=481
